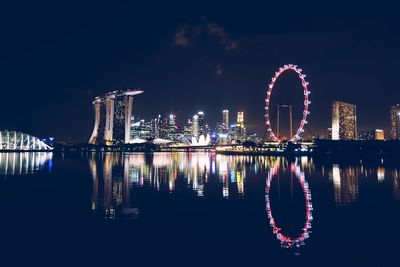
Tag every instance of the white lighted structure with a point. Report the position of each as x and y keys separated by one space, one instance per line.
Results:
x=17 y=141
x=303 y=121
x=201 y=141
x=113 y=114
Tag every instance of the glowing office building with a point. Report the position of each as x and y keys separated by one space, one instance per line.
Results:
x=225 y=119
x=240 y=119
x=344 y=121
x=240 y=129
x=395 y=121
x=113 y=114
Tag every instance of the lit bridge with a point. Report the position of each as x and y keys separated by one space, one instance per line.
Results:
x=17 y=141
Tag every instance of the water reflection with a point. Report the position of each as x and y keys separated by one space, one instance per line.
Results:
x=119 y=178
x=112 y=186
x=286 y=240
x=22 y=163
x=116 y=175
x=345 y=182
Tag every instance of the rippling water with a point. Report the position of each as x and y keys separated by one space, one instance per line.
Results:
x=198 y=209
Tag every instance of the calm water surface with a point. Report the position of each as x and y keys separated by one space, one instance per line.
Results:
x=184 y=209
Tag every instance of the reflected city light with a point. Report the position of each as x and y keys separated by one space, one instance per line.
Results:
x=119 y=178
x=22 y=163
x=115 y=176
x=380 y=173
x=287 y=241
x=345 y=182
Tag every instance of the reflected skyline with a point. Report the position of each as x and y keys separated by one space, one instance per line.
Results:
x=293 y=205
x=117 y=177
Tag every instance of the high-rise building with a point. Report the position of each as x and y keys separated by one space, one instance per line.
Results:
x=188 y=129
x=201 y=123
x=171 y=121
x=395 y=121
x=195 y=126
x=225 y=119
x=174 y=133
x=156 y=127
x=240 y=119
x=344 y=121
x=113 y=117
x=240 y=129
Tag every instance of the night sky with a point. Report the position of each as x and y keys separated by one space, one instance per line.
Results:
x=55 y=58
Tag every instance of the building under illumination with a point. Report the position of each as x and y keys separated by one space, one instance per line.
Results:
x=344 y=121
x=113 y=114
x=374 y=134
x=395 y=121
x=195 y=126
x=225 y=119
x=240 y=129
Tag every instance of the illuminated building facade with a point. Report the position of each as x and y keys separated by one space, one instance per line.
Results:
x=240 y=119
x=395 y=122
x=201 y=123
x=113 y=117
x=240 y=129
x=195 y=126
x=379 y=134
x=344 y=121
x=374 y=134
x=225 y=119
x=187 y=129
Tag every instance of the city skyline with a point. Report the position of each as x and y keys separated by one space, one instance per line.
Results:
x=195 y=59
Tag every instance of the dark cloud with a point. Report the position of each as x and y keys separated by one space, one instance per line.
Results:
x=181 y=38
x=219 y=71
x=184 y=36
x=221 y=34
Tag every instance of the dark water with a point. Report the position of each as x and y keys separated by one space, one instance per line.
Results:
x=179 y=209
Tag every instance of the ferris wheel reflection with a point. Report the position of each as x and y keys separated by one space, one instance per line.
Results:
x=287 y=241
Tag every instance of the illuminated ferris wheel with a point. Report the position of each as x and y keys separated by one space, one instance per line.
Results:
x=306 y=112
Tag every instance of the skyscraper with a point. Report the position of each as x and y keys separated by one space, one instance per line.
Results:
x=188 y=130
x=201 y=123
x=240 y=129
x=395 y=121
x=113 y=117
x=240 y=119
x=171 y=121
x=195 y=126
x=225 y=119
x=344 y=121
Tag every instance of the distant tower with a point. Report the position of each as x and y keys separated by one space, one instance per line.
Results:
x=155 y=127
x=195 y=126
x=225 y=119
x=344 y=121
x=240 y=119
x=395 y=121
x=113 y=117
x=171 y=121
x=241 y=130
x=201 y=123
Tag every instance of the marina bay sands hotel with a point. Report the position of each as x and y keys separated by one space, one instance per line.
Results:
x=113 y=113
